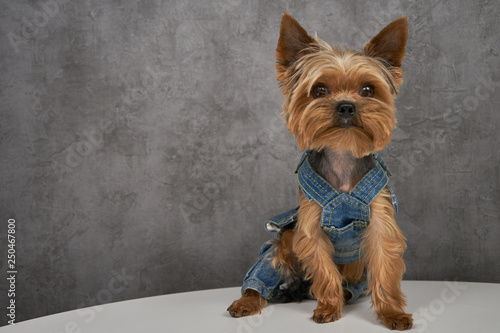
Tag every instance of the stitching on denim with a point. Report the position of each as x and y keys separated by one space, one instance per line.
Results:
x=362 y=214
x=319 y=195
x=375 y=187
x=280 y=223
x=356 y=188
x=312 y=188
x=311 y=174
x=349 y=227
x=260 y=283
x=394 y=198
x=382 y=163
x=347 y=257
x=358 y=191
x=346 y=251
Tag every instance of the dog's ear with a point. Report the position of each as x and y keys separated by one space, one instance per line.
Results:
x=293 y=42
x=390 y=43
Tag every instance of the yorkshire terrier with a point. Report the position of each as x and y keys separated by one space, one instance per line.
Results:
x=342 y=241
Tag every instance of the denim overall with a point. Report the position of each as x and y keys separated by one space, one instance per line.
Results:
x=344 y=218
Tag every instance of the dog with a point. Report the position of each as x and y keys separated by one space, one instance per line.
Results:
x=342 y=241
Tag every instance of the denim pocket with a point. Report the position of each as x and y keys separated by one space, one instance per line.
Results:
x=347 y=241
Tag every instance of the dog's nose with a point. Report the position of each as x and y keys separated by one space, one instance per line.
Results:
x=346 y=110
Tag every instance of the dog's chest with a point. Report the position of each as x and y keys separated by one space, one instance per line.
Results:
x=342 y=170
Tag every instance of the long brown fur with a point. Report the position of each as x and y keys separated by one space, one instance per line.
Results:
x=314 y=250
x=383 y=247
x=340 y=157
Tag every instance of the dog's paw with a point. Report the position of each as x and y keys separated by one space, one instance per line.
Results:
x=250 y=304
x=401 y=322
x=327 y=313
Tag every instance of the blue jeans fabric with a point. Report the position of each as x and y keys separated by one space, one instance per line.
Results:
x=271 y=284
x=344 y=218
x=262 y=276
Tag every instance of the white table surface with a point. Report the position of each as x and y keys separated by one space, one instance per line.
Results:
x=436 y=306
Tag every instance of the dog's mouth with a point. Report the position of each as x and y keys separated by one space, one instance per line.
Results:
x=346 y=123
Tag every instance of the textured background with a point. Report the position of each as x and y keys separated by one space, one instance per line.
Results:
x=141 y=145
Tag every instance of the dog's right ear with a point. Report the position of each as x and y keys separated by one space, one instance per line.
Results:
x=292 y=44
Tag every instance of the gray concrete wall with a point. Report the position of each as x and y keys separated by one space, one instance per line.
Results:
x=141 y=144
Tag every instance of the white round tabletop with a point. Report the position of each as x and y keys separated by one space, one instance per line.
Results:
x=436 y=306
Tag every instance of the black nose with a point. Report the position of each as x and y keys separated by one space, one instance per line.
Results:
x=346 y=110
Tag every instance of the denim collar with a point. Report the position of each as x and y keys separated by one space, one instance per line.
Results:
x=318 y=189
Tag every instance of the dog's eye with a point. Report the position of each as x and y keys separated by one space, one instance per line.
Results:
x=366 y=91
x=320 y=91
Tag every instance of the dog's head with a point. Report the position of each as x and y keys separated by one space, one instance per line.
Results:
x=337 y=97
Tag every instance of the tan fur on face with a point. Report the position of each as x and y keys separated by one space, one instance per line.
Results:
x=343 y=72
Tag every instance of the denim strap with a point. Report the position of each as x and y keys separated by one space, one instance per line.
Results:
x=370 y=186
x=313 y=185
x=318 y=189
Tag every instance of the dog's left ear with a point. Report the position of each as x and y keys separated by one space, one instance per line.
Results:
x=390 y=43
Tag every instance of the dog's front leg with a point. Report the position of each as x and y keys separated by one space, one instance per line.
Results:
x=383 y=247
x=314 y=251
